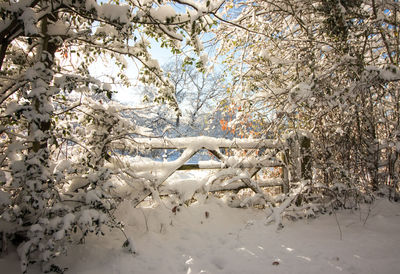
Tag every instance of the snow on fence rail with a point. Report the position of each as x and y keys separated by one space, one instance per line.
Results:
x=292 y=155
x=206 y=142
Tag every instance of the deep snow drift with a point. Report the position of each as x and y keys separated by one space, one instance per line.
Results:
x=213 y=238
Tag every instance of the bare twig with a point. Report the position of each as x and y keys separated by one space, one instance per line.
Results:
x=369 y=212
x=337 y=222
x=145 y=220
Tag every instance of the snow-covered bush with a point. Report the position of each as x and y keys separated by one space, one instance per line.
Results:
x=328 y=67
x=57 y=129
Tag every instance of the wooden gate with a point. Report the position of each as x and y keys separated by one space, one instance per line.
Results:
x=291 y=155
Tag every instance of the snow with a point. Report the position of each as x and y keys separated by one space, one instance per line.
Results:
x=36 y=228
x=107 y=30
x=12 y=108
x=59 y=235
x=301 y=91
x=68 y=220
x=326 y=48
x=89 y=216
x=63 y=165
x=204 y=58
x=4 y=196
x=186 y=185
x=130 y=246
x=92 y=196
x=212 y=143
x=118 y=13
x=53 y=223
x=58 y=28
x=264 y=54
x=29 y=18
x=152 y=63
x=213 y=238
x=390 y=73
x=210 y=164
x=163 y=12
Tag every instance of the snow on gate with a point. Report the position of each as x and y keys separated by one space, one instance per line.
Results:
x=233 y=172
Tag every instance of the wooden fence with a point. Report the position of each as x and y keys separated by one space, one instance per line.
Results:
x=291 y=155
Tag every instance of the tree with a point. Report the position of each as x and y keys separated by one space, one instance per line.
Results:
x=328 y=67
x=196 y=92
x=45 y=105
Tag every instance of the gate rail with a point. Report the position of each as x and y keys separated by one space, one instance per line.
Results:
x=292 y=156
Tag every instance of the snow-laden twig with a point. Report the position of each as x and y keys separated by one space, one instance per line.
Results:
x=276 y=214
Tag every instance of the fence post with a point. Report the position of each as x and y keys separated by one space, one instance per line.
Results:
x=305 y=152
x=285 y=173
x=299 y=157
x=293 y=153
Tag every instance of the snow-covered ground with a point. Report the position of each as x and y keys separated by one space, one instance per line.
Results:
x=213 y=238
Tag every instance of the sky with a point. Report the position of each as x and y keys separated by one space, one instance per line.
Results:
x=129 y=95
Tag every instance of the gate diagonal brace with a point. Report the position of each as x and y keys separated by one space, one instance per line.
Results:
x=248 y=181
